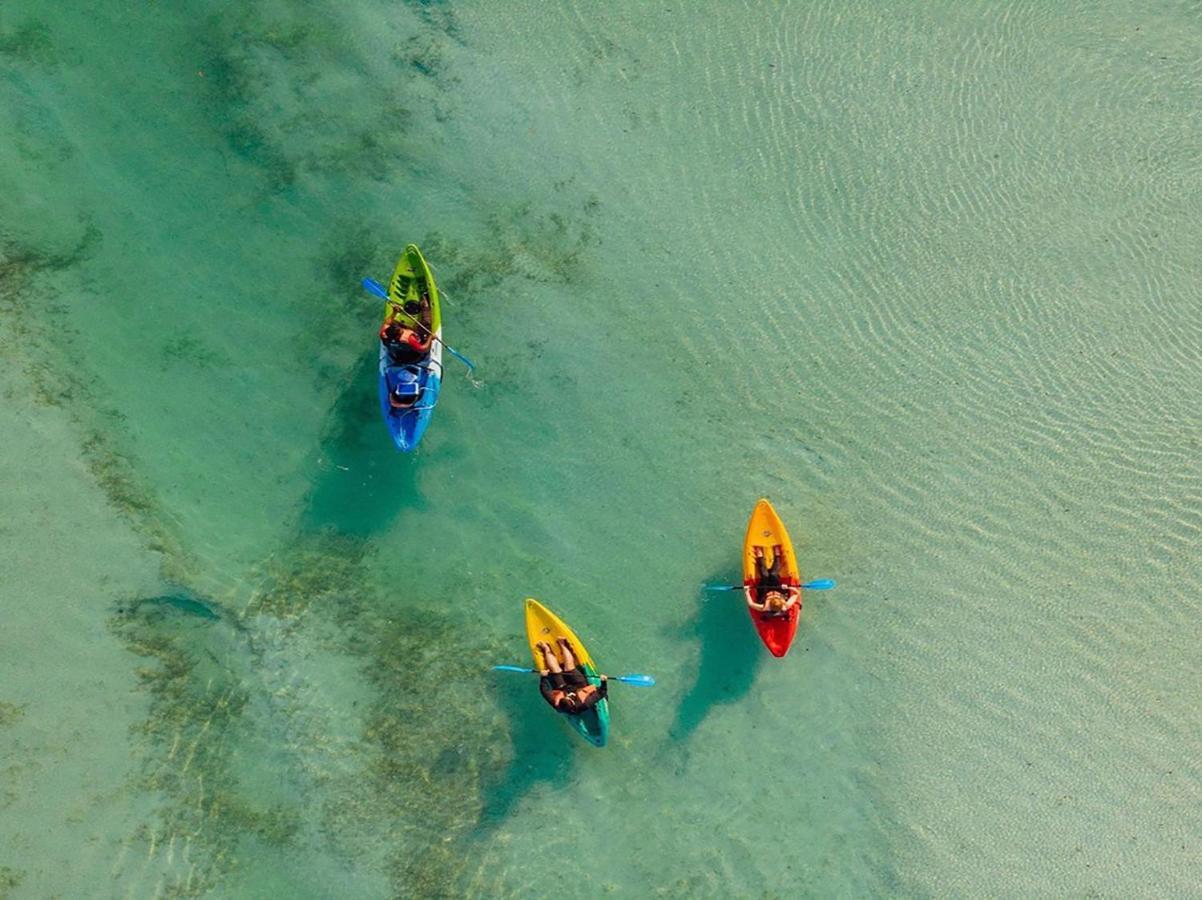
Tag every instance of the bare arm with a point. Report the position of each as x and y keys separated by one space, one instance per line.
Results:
x=749 y=596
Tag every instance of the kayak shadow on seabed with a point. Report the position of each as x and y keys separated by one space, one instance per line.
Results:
x=729 y=655
x=366 y=484
x=544 y=750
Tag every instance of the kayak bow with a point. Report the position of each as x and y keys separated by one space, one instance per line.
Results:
x=766 y=530
x=544 y=625
x=410 y=280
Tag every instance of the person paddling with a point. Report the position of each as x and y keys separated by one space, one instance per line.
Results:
x=565 y=687
x=409 y=341
x=404 y=345
x=772 y=597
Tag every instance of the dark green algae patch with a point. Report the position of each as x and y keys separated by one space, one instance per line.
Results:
x=434 y=761
x=414 y=775
x=418 y=757
x=251 y=771
x=274 y=82
x=10 y=880
x=411 y=781
x=428 y=751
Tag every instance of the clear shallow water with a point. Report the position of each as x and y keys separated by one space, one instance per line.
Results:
x=926 y=278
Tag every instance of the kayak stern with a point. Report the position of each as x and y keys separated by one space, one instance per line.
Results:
x=544 y=625
x=765 y=529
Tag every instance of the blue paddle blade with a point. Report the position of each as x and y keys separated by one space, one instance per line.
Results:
x=723 y=587
x=637 y=680
x=459 y=356
x=512 y=669
x=821 y=584
x=374 y=287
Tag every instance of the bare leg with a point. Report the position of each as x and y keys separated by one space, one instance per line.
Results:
x=549 y=659
x=569 y=658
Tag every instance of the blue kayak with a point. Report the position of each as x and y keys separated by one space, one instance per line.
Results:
x=408 y=425
x=410 y=373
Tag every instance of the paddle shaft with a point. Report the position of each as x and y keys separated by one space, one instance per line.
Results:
x=378 y=289
x=639 y=680
x=820 y=584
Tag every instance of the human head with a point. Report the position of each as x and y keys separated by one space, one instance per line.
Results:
x=775 y=601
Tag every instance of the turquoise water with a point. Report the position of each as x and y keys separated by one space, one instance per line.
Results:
x=925 y=276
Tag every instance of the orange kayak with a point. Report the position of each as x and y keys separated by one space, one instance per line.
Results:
x=765 y=530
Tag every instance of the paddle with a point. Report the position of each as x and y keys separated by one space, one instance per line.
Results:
x=636 y=680
x=374 y=287
x=821 y=584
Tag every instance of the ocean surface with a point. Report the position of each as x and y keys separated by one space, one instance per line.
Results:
x=926 y=275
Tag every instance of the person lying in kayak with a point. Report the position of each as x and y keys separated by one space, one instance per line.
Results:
x=565 y=687
x=775 y=598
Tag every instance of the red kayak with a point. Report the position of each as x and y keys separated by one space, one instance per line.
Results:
x=766 y=532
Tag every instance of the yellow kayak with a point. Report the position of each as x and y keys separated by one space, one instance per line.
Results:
x=765 y=529
x=544 y=625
